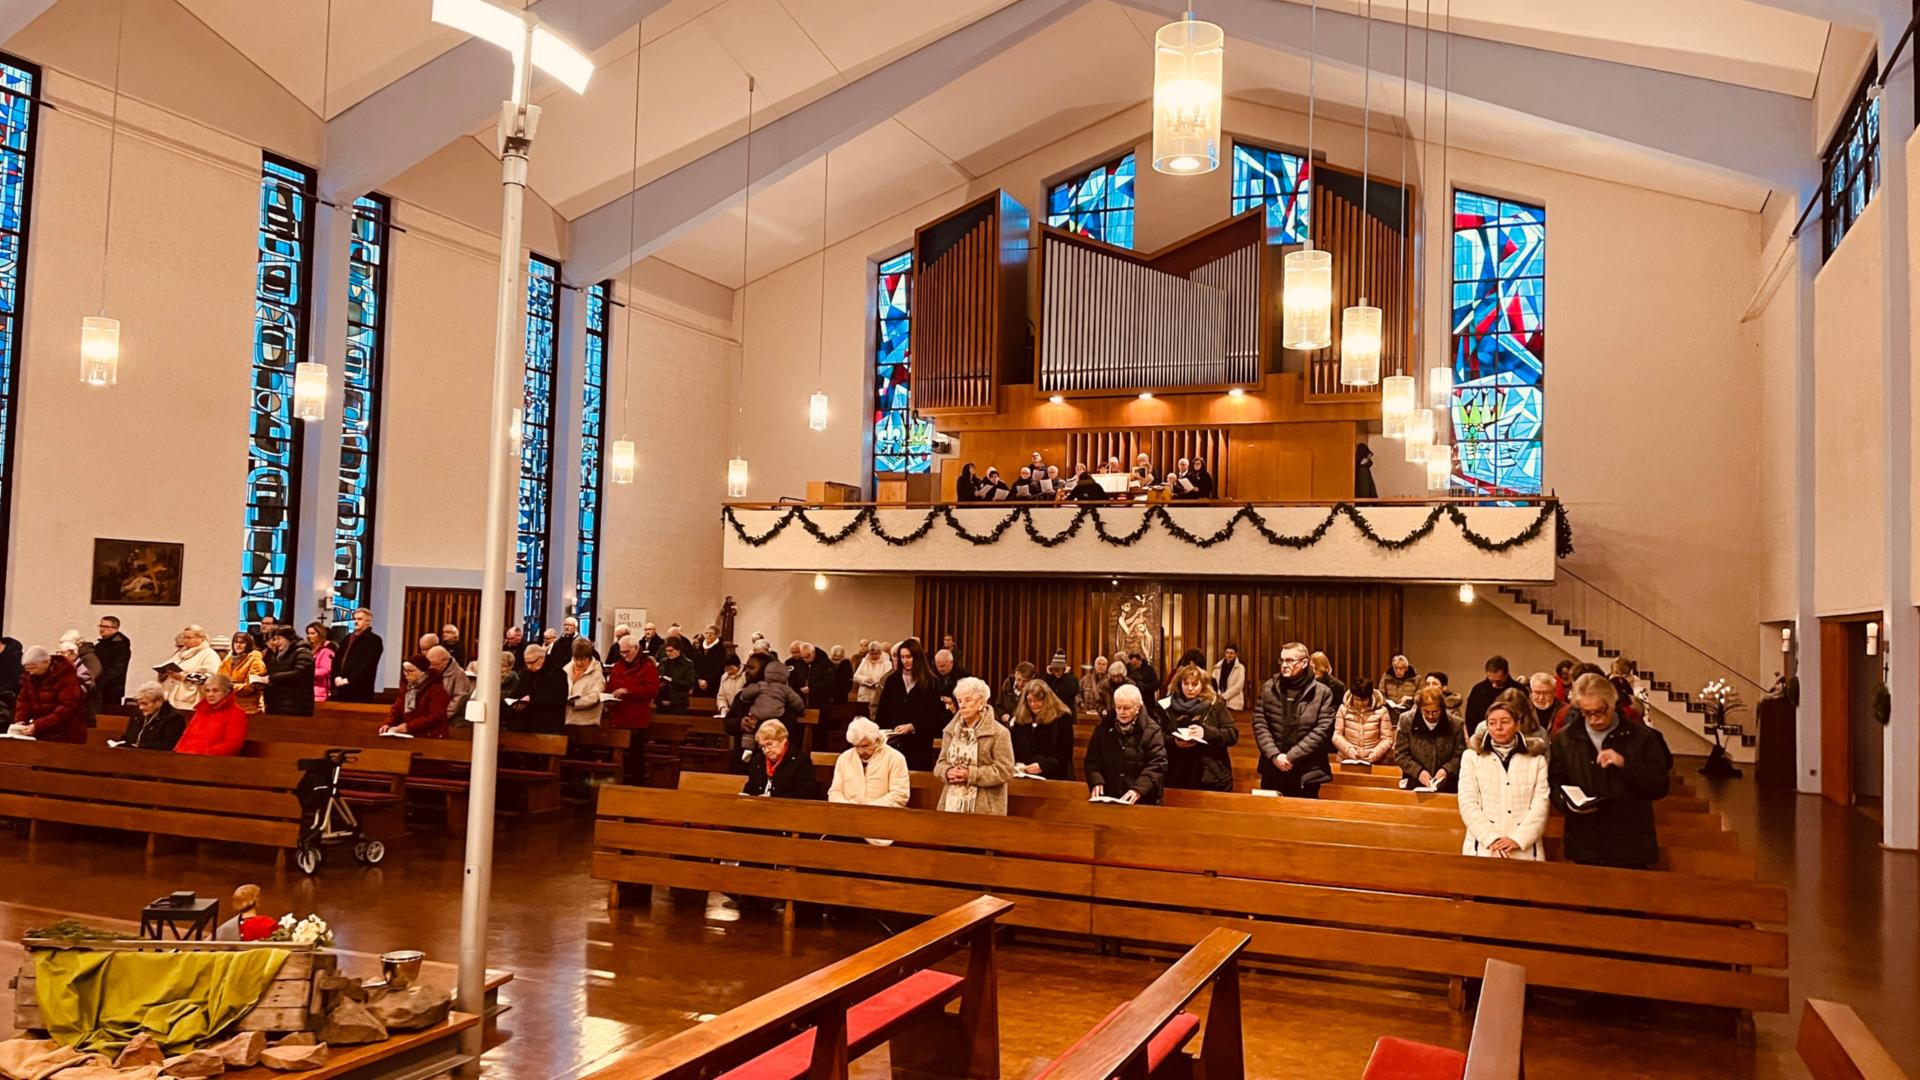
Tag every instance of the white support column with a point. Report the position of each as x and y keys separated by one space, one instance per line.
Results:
x=569 y=391
x=1902 y=754
x=1806 y=614
x=320 y=446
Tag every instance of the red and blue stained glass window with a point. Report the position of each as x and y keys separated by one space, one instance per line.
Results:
x=19 y=124
x=1279 y=181
x=1097 y=204
x=1499 y=343
x=902 y=441
x=536 y=440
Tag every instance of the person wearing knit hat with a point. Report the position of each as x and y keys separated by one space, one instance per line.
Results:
x=420 y=711
x=1060 y=680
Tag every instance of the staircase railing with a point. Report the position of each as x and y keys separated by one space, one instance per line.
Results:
x=1667 y=661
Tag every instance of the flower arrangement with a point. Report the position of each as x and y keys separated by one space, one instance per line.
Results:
x=312 y=930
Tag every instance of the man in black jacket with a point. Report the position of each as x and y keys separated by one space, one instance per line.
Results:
x=821 y=677
x=709 y=661
x=356 y=670
x=1619 y=769
x=1293 y=725
x=1483 y=692
x=115 y=652
x=1064 y=685
x=1140 y=672
x=289 y=674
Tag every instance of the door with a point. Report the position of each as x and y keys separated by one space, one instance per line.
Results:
x=427 y=610
x=1836 y=711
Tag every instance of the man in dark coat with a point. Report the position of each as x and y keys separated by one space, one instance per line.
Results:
x=1063 y=683
x=356 y=669
x=821 y=676
x=289 y=674
x=1620 y=768
x=9 y=667
x=709 y=662
x=1140 y=672
x=652 y=643
x=1499 y=677
x=115 y=652
x=1293 y=725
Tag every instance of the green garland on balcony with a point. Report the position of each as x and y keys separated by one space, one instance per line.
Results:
x=869 y=518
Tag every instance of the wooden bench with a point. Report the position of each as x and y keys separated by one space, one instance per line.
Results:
x=1141 y=877
x=887 y=992
x=1493 y=1053
x=153 y=792
x=1836 y=1045
x=1143 y=1037
x=596 y=753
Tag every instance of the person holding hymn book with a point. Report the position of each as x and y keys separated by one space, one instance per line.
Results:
x=153 y=724
x=192 y=662
x=542 y=705
x=992 y=488
x=1200 y=728
x=1606 y=773
x=1428 y=744
x=587 y=681
x=1085 y=488
x=1363 y=730
x=1400 y=683
x=51 y=705
x=289 y=668
x=966 y=484
x=1183 y=484
x=1023 y=487
x=247 y=670
x=1203 y=480
x=1503 y=783
x=1127 y=753
x=1056 y=488
x=976 y=755
x=677 y=676
x=420 y=710
x=1042 y=734
x=776 y=770
x=1038 y=464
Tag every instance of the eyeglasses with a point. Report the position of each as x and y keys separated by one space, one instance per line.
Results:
x=1596 y=714
x=1293 y=661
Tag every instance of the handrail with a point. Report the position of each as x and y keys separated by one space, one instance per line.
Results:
x=1656 y=624
x=1005 y=504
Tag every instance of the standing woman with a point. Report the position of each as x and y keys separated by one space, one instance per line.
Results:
x=1503 y=783
x=1363 y=729
x=585 y=683
x=909 y=708
x=243 y=662
x=1230 y=678
x=1400 y=683
x=1042 y=728
x=1196 y=709
x=966 y=486
x=976 y=755
x=322 y=647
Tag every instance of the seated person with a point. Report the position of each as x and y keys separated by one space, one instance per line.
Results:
x=155 y=724
x=421 y=708
x=1085 y=488
x=1027 y=487
x=1127 y=754
x=869 y=772
x=52 y=703
x=992 y=488
x=774 y=771
x=1428 y=743
x=218 y=727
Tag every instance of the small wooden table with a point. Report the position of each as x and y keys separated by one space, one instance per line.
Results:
x=202 y=918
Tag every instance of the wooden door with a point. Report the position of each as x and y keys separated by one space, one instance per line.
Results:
x=1836 y=711
x=427 y=610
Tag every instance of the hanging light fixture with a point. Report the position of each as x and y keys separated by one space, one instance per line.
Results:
x=1466 y=592
x=1360 y=324
x=309 y=391
x=1396 y=404
x=737 y=478
x=1439 y=467
x=1439 y=387
x=1189 y=61
x=1418 y=435
x=817 y=404
x=100 y=334
x=99 y=350
x=1306 y=276
x=819 y=583
x=737 y=465
x=623 y=458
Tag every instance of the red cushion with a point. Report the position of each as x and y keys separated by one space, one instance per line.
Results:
x=909 y=995
x=1165 y=1043
x=1401 y=1059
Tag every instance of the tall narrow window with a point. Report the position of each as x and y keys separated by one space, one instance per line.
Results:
x=1279 y=181
x=902 y=441
x=1852 y=165
x=283 y=287
x=1499 y=343
x=19 y=129
x=536 y=439
x=1098 y=203
x=360 y=417
x=593 y=450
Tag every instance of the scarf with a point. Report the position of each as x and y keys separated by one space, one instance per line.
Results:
x=962 y=747
x=1184 y=707
x=413 y=696
x=1226 y=669
x=1505 y=753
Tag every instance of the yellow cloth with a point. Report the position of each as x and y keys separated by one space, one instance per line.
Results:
x=97 y=1000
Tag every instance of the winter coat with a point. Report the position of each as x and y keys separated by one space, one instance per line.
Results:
x=869 y=677
x=358 y=662
x=729 y=685
x=640 y=678
x=240 y=670
x=1064 y=686
x=1133 y=759
x=323 y=672
x=1199 y=767
x=1481 y=697
x=161 y=731
x=1048 y=745
x=542 y=705
x=791 y=777
x=677 y=678
x=770 y=697
x=987 y=776
x=459 y=691
x=115 y=653
x=1092 y=698
x=1399 y=691
x=1418 y=748
x=184 y=694
x=1504 y=801
x=420 y=711
x=214 y=730
x=1299 y=724
x=881 y=781
x=920 y=707
x=709 y=663
x=1364 y=732
x=10 y=669
x=584 y=689
x=290 y=681
x=1232 y=685
x=54 y=703
x=1618 y=828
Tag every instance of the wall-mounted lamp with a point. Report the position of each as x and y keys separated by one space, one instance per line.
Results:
x=1466 y=592
x=1786 y=639
x=1873 y=639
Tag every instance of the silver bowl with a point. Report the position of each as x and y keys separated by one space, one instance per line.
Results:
x=401 y=967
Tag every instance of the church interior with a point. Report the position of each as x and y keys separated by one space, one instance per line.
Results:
x=1160 y=637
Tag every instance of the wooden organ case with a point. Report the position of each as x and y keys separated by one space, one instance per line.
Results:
x=969 y=330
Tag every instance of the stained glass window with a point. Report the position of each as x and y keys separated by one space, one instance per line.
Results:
x=19 y=129
x=1852 y=166
x=536 y=440
x=1098 y=203
x=593 y=449
x=283 y=286
x=1499 y=343
x=367 y=250
x=902 y=441
x=1279 y=181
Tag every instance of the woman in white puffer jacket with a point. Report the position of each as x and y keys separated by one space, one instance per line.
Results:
x=1503 y=783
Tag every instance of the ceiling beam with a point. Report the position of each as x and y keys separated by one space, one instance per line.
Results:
x=1757 y=134
x=413 y=117
x=1862 y=14
x=691 y=194
x=17 y=15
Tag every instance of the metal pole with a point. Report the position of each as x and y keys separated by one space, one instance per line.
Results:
x=517 y=120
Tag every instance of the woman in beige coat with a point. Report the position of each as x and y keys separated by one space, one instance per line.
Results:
x=976 y=755
x=586 y=681
x=870 y=773
x=1364 y=728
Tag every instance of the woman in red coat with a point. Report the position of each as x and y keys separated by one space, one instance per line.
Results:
x=634 y=682
x=52 y=705
x=420 y=710
x=218 y=727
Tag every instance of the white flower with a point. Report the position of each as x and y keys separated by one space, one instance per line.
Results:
x=288 y=922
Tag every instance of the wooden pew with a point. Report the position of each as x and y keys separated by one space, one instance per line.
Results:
x=153 y=792
x=1835 y=1045
x=1493 y=1053
x=597 y=752
x=1142 y=1035
x=887 y=992
x=1150 y=877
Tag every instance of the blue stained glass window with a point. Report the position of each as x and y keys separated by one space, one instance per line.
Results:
x=593 y=449
x=367 y=261
x=283 y=287
x=902 y=441
x=1499 y=343
x=1852 y=165
x=19 y=121
x=1279 y=181
x=1097 y=204
x=536 y=439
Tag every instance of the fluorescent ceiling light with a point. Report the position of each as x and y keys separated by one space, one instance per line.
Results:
x=506 y=29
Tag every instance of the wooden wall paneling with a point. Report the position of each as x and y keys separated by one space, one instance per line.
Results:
x=425 y=611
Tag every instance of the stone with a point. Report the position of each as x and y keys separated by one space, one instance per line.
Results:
x=350 y=1024
x=299 y=1058
x=140 y=1050
x=332 y=983
x=195 y=1063
x=243 y=1050
x=411 y=1009
x=297 y=1038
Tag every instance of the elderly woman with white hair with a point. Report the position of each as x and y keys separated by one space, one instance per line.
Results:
x=1127 y=753
x=869 y=772
x=52 y=704
x=153 y=724
x=976 y=754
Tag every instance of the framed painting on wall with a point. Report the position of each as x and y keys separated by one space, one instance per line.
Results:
x=137 y=572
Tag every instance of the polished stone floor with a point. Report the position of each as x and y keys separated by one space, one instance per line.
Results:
x=587 y=986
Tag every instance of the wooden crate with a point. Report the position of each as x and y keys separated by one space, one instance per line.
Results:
x=292 y=1001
